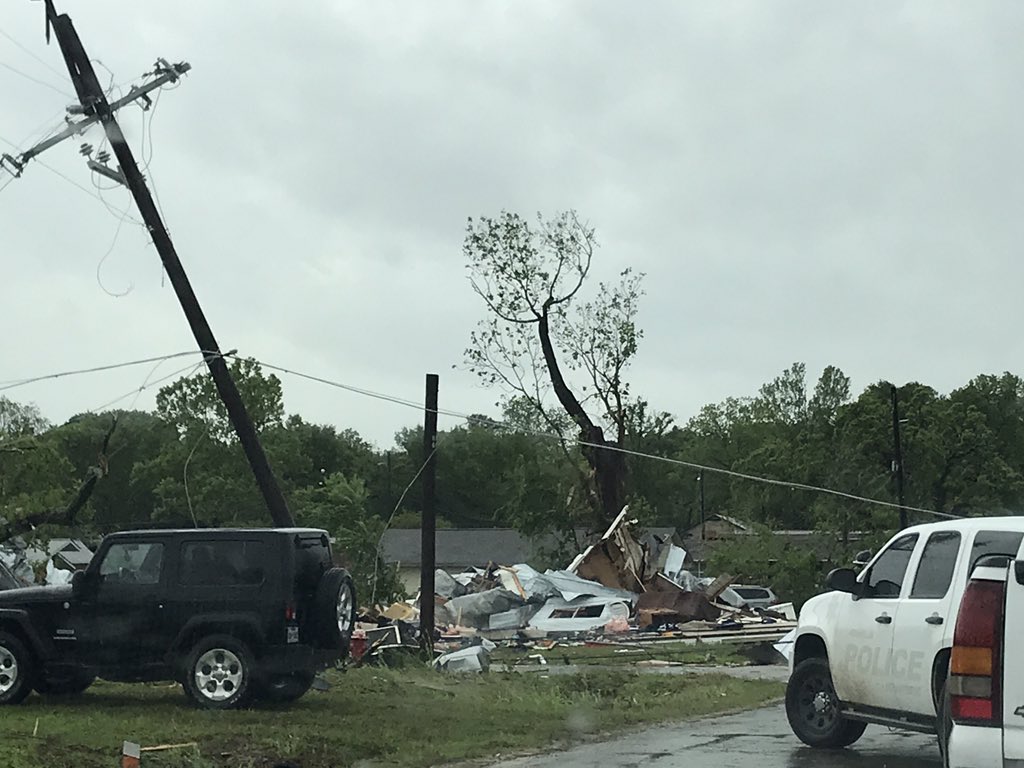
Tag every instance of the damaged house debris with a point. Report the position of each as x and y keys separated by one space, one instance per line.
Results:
x=621 y=589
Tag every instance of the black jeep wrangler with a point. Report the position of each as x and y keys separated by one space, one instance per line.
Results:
x=232 y=614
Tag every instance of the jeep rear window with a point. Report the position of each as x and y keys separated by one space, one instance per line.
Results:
x=223 y=563
x=312 y=558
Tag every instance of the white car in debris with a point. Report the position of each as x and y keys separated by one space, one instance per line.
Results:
x=985 y=694
x=753 y=597
x=876 y=649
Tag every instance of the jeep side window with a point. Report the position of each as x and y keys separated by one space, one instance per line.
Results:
x=987 y=543
x=886 y=576
x=938 y=561
x=132 y=563
x=223 y=563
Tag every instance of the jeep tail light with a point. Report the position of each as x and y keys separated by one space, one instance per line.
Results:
x=289 y=612
x=976 y=660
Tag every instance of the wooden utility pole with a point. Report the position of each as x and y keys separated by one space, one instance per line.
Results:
x=96 y=108
x=428 y=525
x=897 y=463
x=700 y=483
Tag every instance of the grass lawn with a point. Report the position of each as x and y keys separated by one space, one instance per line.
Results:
x=371 y=717
x=686 y=653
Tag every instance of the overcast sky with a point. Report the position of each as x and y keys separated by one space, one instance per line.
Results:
x=830 y=182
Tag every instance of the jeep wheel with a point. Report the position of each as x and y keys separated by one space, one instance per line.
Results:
x=63 y=685
x=218 y=673
x=284 y=689
x=812 y=708
x=334 y=608
x=16 y=670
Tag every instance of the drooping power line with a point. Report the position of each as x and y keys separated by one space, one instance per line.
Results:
x=15 y=383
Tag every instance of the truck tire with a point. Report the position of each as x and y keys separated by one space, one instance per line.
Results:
x=17 y=670
x=812 y=708
x=218 y=673
x=284 y=689
x=334 y=611
x=63 y=685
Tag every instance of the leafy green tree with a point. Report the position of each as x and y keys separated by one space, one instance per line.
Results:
x=193 y=405
x=335 y=502
x=539 y=332
x=489 y=476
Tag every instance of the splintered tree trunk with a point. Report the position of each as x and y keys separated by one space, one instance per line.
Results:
x=609 y=473
x=608 y=467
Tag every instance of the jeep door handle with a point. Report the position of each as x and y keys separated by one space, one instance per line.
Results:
x=934 y=619
x=884 y=619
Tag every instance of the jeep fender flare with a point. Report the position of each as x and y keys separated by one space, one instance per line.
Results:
x=21 y=623
x=240 y=625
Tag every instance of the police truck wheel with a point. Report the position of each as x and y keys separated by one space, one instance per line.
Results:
x=812 y=708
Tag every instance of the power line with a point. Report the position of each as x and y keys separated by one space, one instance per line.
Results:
x=36 y=80
x=616 y=449
x=110 y=250
x=147 y=385
x=14 y=383
x=38 y=58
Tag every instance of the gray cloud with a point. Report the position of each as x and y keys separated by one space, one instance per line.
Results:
x=819 y=181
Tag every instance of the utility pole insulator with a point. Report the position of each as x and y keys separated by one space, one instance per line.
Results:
x=108 y=172
x=12 y=164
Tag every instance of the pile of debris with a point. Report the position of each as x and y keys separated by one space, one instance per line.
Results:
x=618 y=590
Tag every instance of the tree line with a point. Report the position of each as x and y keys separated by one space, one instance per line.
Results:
x=963 y=454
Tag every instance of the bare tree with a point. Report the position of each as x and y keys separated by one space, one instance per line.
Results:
x=538 y=333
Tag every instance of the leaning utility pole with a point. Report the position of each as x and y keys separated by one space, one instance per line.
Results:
x=96 y=108
x=897 y=462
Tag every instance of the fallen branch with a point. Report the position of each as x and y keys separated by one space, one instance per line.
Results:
x=66 y=516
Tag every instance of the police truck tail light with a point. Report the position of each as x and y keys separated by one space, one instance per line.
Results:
x=975 y=664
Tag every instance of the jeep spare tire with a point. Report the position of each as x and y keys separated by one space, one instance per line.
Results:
x=334 y=610
x=16 y=670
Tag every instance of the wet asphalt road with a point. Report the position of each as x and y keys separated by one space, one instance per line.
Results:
x=757 y=739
